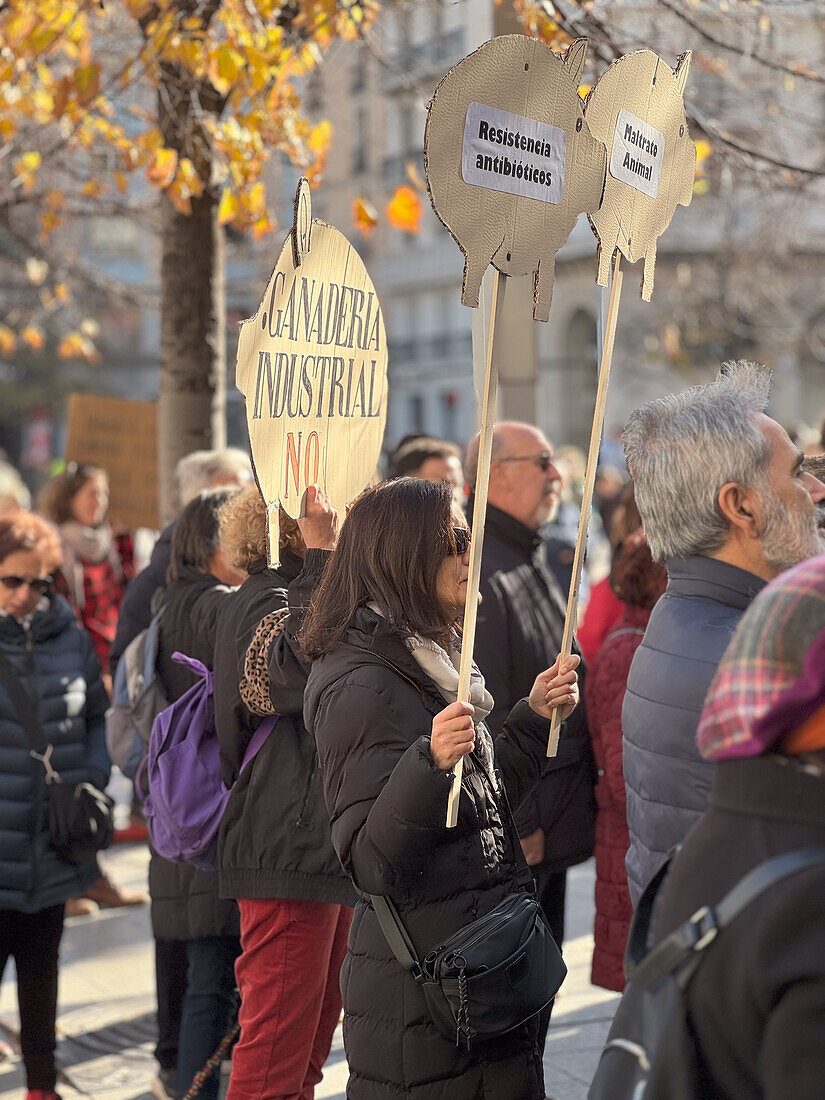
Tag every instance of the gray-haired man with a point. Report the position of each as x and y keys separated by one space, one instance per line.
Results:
x=726 y=505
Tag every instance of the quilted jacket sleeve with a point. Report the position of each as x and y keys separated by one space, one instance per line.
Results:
x=385 y=796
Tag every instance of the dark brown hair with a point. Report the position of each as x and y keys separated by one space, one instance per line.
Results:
x=26 y=531
x=389 y=552
x=56 y=496
x=625 y=519
x=410 y=457
x=197 y=534
x=636 y=578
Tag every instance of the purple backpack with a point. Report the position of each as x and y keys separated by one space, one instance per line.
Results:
x=186 y=795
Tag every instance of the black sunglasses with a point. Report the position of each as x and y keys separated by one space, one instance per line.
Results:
x=36 y=584
x=461 y=538
x=544 y=460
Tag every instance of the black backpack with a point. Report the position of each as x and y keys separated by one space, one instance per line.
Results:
x=650 y=1052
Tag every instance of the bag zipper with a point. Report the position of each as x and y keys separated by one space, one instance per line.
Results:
x=486 y=924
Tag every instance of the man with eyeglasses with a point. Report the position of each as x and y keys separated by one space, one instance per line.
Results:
x=519 y=632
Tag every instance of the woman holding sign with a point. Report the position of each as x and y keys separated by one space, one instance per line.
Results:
x=381 y=702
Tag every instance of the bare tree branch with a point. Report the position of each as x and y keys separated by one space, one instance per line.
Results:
x=761 y=59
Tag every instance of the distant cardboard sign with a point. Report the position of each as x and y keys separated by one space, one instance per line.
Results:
x=510 y=161
x=121 y=437
x=312 y=365
x=637 y=109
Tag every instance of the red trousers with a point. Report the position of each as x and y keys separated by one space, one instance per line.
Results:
x=288 y=977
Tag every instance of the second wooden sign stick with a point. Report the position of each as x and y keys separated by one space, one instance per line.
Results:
x=485 y=450
x=589 y=485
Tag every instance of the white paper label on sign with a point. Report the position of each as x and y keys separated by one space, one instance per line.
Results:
x=511 y=153
x=637 y=154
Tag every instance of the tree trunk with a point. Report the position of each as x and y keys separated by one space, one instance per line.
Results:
x=192 y=402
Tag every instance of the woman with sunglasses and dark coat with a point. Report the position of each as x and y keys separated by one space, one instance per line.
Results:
x=381 y=703
x=47 y=659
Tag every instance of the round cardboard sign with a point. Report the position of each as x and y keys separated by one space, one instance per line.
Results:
x=637 y=109
x=510 y=161
x=312 y=365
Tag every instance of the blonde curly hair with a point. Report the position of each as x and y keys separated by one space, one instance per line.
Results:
x=245 y=529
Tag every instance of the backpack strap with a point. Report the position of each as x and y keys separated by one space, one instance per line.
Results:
x=690 y=939
x=639 y=936
x=256 y=741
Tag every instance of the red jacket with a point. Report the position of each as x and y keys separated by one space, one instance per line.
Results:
x=604 y=609
x=604 y=693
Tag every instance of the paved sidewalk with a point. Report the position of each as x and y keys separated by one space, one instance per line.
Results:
x=106 y=1017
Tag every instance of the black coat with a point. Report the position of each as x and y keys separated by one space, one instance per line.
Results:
x=185 y=902
x=370 y=707
x=519 y=634
x=136 y=609
x=757 y=1001
x=55 y=666
x=274 y=840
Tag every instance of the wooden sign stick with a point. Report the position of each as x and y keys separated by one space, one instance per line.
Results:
x=485 y=449
x=589 y=484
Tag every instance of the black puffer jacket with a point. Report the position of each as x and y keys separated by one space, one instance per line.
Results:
x=756 y=1002
x=274 y=840
x=54 y=665
x=370 y=707
x=519 y=634
x=185 y=902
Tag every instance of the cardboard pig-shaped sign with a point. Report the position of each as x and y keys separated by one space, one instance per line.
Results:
x=312 y=365
x=510 y=161
x=637 y=109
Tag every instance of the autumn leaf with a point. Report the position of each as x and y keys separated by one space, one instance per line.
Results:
x=226 y=65
x=584 y=90
x=404 y=210
x=188 y=180
x=701 y=187
x=162 y=167
x=33 y=336
x=62 y=293
x=25 y=169
x=180 y=197
x=92 y=189
x=87 y=82
x=320 y=137
x=364 y=216
x=703 y=150
x=229 y=206
x=8 y=341
x=262 y=226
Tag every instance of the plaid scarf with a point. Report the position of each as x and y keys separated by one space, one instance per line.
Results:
x=771 y=679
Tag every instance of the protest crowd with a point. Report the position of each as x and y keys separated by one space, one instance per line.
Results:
x=319 y=874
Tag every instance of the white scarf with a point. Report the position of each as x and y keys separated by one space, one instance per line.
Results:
x=86 y=544
x=442 y=668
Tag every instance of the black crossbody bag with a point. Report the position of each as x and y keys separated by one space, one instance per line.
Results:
x=493 y=974
x=80 y=816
